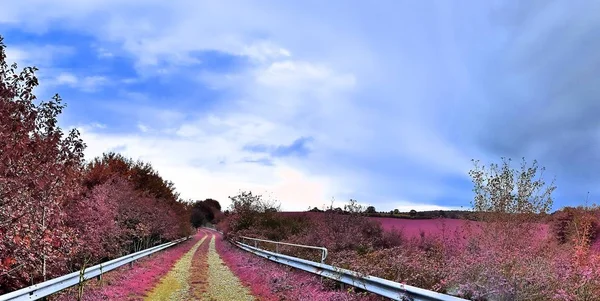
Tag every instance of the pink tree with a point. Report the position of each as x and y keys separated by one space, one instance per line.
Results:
x=39 y=172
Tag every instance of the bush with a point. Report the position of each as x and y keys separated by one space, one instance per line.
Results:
x=566 y=222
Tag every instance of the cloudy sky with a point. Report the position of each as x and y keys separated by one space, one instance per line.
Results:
x=313 y=100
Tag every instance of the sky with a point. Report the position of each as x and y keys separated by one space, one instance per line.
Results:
x=315 y=102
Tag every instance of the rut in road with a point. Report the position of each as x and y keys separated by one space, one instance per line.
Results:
x=200 y=274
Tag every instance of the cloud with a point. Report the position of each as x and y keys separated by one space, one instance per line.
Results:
x=395 y=105
x=264 y=51
x=298 y=147
x=213 y=178
x=41 y=56
x=86 y=83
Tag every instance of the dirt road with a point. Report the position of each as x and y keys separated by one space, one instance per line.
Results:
x=200 y=274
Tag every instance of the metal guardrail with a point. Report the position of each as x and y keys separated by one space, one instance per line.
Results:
x=277 y=243
x=55 y=285
x=212 y=229
x=380 y=286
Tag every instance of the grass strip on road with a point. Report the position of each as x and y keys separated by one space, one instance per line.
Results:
x=223 y=285
x=175 y=285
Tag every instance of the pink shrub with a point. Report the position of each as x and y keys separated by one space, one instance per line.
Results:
x=95 y=219
x=127 y=283
x=339 y=232
x=271 y=281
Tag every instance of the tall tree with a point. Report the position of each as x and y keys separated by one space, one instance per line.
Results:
x=40 y=167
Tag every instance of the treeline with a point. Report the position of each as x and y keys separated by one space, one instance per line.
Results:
x=413 y=214
x=58 y=212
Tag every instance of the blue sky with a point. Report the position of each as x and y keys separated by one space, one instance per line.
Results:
x=385 y=103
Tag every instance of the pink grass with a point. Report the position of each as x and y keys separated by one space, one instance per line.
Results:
x=414 y=227
x=127 y=283
x=271 y=281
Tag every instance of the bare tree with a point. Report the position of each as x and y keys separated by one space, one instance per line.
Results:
x=502 y=189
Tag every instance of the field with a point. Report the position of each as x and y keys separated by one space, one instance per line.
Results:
x=428 y=227
x=502 y=257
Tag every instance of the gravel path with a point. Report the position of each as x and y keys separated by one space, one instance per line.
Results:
x=201 y=274
x=175 y=285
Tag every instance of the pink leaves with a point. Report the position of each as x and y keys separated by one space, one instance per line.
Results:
x=48 y=220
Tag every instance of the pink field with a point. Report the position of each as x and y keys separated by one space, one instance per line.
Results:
x=413 y=227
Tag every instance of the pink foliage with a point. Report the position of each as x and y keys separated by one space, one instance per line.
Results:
x=95 y=218
x=271 y=281
x=503 y=259
x=56 y=211
x=134 y=283
x=39 y=168
x=413 y=227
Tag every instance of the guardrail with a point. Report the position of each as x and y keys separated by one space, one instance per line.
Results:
x=55 y=285
x=380 y=286
x=212 y=229
x=278 y=243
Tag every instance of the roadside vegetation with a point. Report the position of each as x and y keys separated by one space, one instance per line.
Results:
x=58 y=212
x=512 y=249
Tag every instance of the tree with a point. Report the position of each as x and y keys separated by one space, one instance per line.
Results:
x=40 y=168
x=213 y=204
x=144 y=180
x=396 y=211
x=205 y=212
x=413 y=213
x=353 y=207
x=501 y=189
x=54 y=209
x=370 y=210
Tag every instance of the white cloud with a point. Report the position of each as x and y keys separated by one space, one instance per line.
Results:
x=290 y=74
x=67 y=78
x=308 y=77
x=98 y=125
x=16 y=55
x=194 y=165
x=85 y=83
x=143 y=128
x=36 y=55
x=264 y=51
x=92 y=83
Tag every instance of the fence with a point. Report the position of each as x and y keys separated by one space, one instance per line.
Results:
x=380 y=286
x=55 y=285
x=278 y=243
